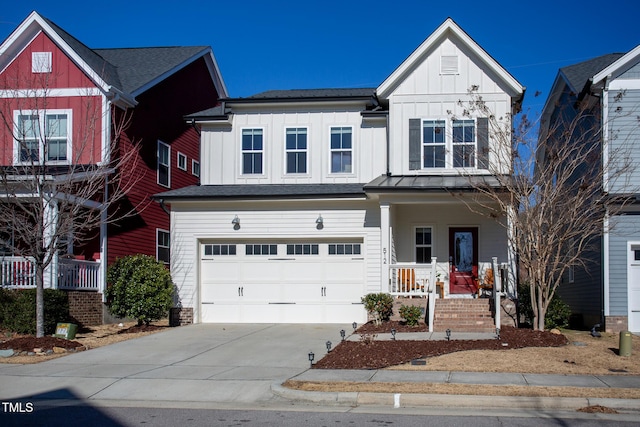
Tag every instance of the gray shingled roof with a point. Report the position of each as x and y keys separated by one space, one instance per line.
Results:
x=314 y=93
x=577 y=75
x=138 y=66
x=278 y=191
x=129 y=69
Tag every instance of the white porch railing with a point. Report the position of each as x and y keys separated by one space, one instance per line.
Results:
x=20 y=272
x=78 y=275
x=412 y=279
x=17 y=272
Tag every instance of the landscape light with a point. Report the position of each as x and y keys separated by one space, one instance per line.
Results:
x=342 y=334
x=448 y=332
x=311 y=356
x=328 y=344
x=393 y=334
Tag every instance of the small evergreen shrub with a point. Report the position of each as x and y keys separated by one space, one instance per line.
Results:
x=18 y=310
x=140 y=288
x=411 y=314
x=379 y=305
x=558 y=312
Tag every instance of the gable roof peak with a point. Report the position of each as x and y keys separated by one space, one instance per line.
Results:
x=449 y=26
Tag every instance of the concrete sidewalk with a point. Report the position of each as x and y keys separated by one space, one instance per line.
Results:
x=466 y=378
x=238 y=364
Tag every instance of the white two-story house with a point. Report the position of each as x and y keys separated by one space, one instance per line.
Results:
x=310 y=199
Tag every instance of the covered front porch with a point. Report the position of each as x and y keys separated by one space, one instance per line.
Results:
x=439 y=244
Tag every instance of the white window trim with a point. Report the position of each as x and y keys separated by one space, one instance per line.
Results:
x=182 y=156
x=449 y=145
x=168 y=185
x=41 y=62
x=353 y=150
x=263 y=151
x=42 y=115
x=433 y=240
x=160 y=230
x=286 y=151
x=195 y=163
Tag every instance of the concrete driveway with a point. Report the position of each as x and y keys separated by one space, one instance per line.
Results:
x=198 y=363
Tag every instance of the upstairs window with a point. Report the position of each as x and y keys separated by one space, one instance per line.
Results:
x=182 y=161
x=195 y=168
x=56 y=130
x=40 y=62
x=296 y=149
x=434 y=143
x=464 y=144
x=28 y=137
x=252 y=151
x=164 y=164
x=341 y=150
x=43 y=137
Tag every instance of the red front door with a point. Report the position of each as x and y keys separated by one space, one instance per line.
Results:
x=463 y=260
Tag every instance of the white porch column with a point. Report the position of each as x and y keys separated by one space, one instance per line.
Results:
x=102 y=272
x=50 y=219
x=512 y=288
x=385 y=243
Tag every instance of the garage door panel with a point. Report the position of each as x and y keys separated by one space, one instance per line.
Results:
x=314 y=288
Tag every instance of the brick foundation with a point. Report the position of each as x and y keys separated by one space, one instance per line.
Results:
x=180 y=316
x=85 y=308
x=616 y=324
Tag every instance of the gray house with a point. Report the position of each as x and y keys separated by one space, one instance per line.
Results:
x=608 y=290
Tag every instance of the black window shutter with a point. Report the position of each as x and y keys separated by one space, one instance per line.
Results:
x=414 y=144
x=483 y=143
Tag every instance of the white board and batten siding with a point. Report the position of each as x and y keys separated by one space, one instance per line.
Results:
x=282 y=287
x=429 y=94
x=222 y=153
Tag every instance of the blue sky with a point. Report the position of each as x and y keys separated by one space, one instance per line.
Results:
x=264 y=45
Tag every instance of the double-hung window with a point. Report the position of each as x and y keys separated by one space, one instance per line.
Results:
x=163 y=249
x=28 y=138
x=43 y=137
x=341 y=150
x=296 y=148
x=424 y=245
x=434 y=143
x=164 y=164
x=252 y=151
x=464 y=143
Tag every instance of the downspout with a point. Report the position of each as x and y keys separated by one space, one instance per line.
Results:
x=604 y=102
x=388 y=147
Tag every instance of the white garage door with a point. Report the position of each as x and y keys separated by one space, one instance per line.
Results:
x=282 y=282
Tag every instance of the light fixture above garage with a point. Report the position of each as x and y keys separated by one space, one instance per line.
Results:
x=319 y=222
x=236 y=222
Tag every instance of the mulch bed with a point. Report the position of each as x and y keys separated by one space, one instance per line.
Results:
x=368 y=353
x=45 y=344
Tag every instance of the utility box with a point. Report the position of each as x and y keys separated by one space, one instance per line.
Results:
x=66 y=331
x=624 y=348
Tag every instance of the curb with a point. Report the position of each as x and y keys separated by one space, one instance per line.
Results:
x=449 y=400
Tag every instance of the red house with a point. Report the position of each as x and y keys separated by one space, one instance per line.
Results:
x=84 y=99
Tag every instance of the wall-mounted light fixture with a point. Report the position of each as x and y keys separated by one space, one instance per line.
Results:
x=319 y=222
x=236 y=222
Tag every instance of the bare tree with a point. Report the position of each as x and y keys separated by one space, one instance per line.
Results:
x=58 y=181
x=548 y=191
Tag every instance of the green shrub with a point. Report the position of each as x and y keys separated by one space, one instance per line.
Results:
x=18 y=310
x=411 y=314
x=557 y=315
x=380 y=306
x=140 y=288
